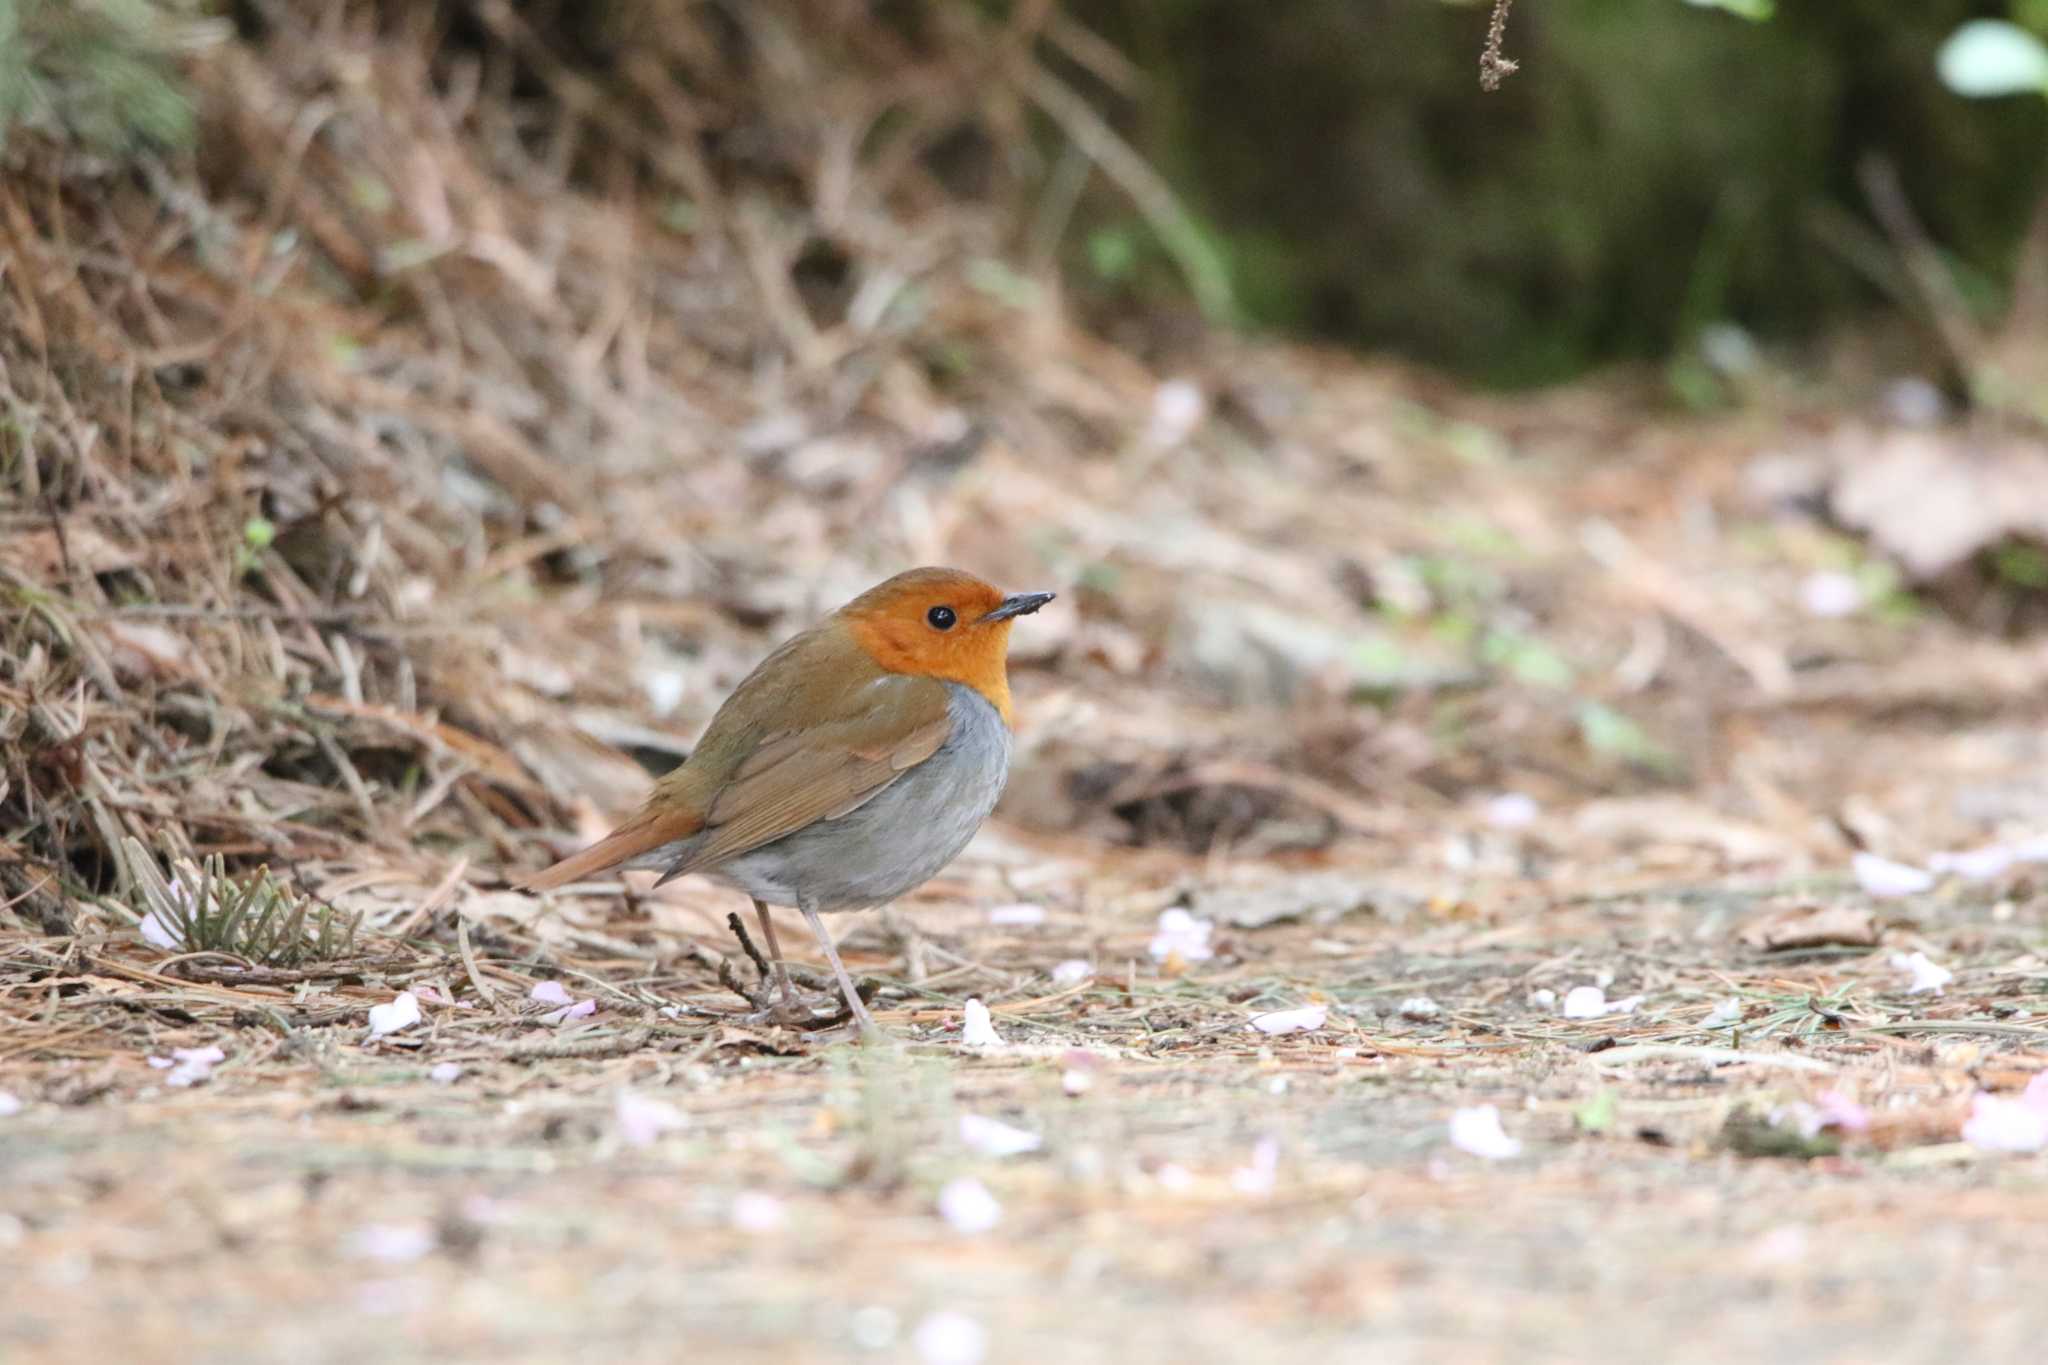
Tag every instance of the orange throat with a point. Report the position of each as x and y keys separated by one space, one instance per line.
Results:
x=976 y=657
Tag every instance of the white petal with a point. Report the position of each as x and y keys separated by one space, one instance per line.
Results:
x=1478 y=1131
x=394 y=1243
x=1421 y=1008
x=1799 y=1116
x=1072 y=972
x=1975 y=864
x=1178 y=406
x=2002 y=1125
x=1585 y=1002
x=664 y=688
x=1927 y=976
x=993 y=1137
x=191 y=1065
x=948 y=1338
x=1017 y=914
x=753 y=1211
x=549 y=993
x=402 y=1013
x=1512 y=810
x=10 y=1104
x=1258 y=1176
x=642 y=1119
x=1075 y=1081
x=1307 y=1019
x=1728 y=1012
x=967 y=1206
x=977 y=1029
x=1830 y=593
x=445 y=1073
x=158 y=934
x=1840 y=1112
x=1883 y=877
x=582 y=1009
x=1181 y=934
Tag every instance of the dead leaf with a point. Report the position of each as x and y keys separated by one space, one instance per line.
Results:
x=1812 y=926
x=1934 y=498
x=1323 y=897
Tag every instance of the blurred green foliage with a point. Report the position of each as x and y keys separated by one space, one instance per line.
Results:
x=101 y=72
x=1655 y=167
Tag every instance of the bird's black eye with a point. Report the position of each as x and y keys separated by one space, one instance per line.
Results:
x=942 y=618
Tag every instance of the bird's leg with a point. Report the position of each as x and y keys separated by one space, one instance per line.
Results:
x=775 y=954
x=860 y=1011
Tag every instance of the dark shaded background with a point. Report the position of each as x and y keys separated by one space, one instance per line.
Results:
x=1653 y=167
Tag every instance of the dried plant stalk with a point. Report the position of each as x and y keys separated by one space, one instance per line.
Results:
x=201 y=908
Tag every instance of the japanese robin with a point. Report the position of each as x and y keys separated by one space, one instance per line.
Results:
x=849 y=767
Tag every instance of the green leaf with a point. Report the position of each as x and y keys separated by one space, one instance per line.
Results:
x=1112 y=253
x=1597 y=1114
x=1611 y=734
x=1989 y=57
x=1756 y=11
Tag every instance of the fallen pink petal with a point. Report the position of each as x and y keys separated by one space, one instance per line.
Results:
x=756 y=1212
x=1512 y=810
x=1928 y=977
x=1182 y=935
x=977 y=1029
x=1307 y=1019
x=642 y=1120
x=1839 y=1111
x=2001 y=1124
x=400 y=1014
x=950 y=1338
x=1976 y=864
x=993 y=1137
x=188 y=1066
x=1477 y=1131
x=967 y=1206
x=1591 y=1002
x=1884 y=878
x=549 y=993
x=1072 y=972
x=157 y=934
x=1260 y=1175
x=582 y=1009
x=392 y=1243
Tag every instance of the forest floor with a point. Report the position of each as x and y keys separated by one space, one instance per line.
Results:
x=1485 y=878
x=652 y=1178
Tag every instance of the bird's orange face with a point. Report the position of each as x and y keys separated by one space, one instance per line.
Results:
x=945 y=624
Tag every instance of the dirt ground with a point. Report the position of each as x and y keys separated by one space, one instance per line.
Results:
x=1639 y=812
x=1200 y=1191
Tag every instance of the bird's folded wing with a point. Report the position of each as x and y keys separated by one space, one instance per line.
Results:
x=823 y=771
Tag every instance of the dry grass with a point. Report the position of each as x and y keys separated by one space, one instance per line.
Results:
x=392 y=485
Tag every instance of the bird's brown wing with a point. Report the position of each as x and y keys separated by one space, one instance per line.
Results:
x=799 y=777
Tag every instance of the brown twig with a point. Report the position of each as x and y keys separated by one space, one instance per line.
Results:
x=1494 y=66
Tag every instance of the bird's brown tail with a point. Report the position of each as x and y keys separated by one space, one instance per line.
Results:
x=645 y=832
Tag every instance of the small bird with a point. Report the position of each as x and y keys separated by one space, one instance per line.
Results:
x=849 y=767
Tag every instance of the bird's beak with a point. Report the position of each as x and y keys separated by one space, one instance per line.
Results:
x=1018 y=604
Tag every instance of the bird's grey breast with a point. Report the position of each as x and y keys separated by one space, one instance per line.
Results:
x=899 y=838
